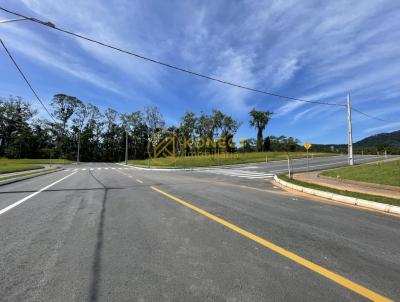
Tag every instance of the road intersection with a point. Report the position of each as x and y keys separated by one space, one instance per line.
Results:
x=102 y=232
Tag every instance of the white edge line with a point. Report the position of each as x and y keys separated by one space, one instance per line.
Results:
x=319 y=165
x=6 y=209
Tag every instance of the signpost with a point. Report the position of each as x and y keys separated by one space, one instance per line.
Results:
x=307 y=146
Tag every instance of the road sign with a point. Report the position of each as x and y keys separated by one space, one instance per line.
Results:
x=307 y=146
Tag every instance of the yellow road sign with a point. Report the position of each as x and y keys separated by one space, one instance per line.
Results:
x=307 y=146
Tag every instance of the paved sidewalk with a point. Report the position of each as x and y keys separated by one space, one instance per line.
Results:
x=313 y=177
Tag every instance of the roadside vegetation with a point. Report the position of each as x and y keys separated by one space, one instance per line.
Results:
x=17 y=165
x=223 y=159
x=382 y=199
x=101 y=135
x=386 y=173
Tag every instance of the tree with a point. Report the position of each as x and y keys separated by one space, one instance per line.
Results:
x=248 y=145
x=15 y=130
x=94 y=130
x=64 y=107
x=204 y=128
x=187 y=128
x=229 y=128
x=154 y=119
x=110 y=137
x=80 y=120
x=135 y=126
x=259 y=120
x=267 y=143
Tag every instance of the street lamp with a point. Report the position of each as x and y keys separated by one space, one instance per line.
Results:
x=13 y=20
x=48 y=23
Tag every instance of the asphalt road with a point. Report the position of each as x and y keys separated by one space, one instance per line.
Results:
x=104 y=232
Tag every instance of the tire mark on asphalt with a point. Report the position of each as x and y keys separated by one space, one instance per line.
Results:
x=96 y=265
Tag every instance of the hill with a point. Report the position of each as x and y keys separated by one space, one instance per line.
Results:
x=381 y=139
x=369 y=145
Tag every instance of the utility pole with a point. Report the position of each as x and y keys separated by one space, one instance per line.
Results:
x=126 y=146
x=350 y=132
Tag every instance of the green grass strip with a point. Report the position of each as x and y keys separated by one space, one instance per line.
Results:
x=382 y=199
x=27 y=174
x=385 y=173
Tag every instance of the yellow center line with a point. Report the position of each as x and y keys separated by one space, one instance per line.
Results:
x=130 y=176
x=359 y=289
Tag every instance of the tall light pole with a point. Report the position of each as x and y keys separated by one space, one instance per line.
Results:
x=350 y=132
x=126 y=145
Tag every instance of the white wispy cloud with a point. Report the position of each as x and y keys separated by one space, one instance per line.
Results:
x=391 y=126
x=308 y=49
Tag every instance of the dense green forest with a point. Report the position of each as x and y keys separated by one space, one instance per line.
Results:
x=100 y=135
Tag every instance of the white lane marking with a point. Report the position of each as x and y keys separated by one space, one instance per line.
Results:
x=98 y=168
x=248 y=174
x=240 y=173
x=84 y=169
x=106 y=168
x=113 y=168
x=119 y=168
x=67 y=170
x=6 y=209
x=328 y=164
x=91 y=169
x=256 y=177
x=139 y=181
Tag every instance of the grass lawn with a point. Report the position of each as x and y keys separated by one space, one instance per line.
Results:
x=387 y=173
x=27 y=174
x=16 y=165
x=382 y=199
x=224 y=159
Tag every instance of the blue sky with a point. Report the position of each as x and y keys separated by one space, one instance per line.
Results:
x=317 y=50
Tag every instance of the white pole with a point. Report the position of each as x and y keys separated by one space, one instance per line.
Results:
x=126 y=146
x=350 y=132
x=288 y=163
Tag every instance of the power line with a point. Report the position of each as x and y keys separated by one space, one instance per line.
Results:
x=374 y=117
x=26 y=80
x=51 y=25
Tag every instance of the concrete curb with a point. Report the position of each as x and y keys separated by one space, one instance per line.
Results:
x=259 y=163
x=340 y=198
x=17 y=179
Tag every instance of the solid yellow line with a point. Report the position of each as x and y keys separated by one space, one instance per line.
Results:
x=130 y=176
x=359 y=289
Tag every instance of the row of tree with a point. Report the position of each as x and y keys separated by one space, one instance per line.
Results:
x=80 y=129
